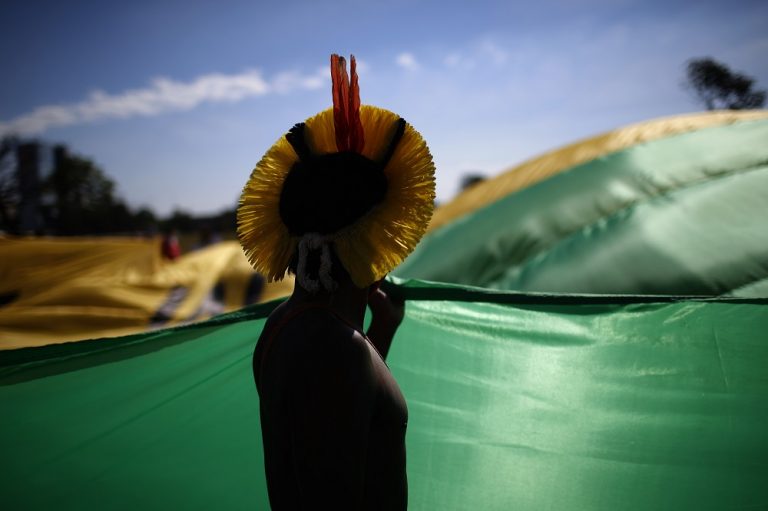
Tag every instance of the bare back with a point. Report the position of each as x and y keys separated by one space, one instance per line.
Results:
x=333 y=418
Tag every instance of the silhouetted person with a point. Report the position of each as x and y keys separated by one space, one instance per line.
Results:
x=333 y=418
x=339 y=201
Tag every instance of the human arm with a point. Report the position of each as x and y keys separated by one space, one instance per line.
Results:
x=387 y=312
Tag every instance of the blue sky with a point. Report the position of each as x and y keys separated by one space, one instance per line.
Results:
x=177 y=101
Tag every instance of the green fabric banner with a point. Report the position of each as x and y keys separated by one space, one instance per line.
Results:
x=680 y=215
x=527 y=402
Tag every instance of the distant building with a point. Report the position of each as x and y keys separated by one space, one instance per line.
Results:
x=30 y=218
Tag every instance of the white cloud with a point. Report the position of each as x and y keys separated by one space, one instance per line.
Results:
x=363 y=66
x=161 y=96
x=452 y=60
x=407 y=61
x=493 y=51
x=290 y=81
x=480 y=53
x=458 y=61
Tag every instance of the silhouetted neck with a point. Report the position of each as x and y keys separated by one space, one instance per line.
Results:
x=348 y=301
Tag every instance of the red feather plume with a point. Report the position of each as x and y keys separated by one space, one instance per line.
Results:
x=346 y=105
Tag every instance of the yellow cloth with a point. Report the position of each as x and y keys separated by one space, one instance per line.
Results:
x=537 y=169
x=56 y=290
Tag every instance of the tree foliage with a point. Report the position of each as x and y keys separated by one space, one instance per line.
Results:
x=83 y=197
x=717 y=87
x=74 y=198
x=72 y=195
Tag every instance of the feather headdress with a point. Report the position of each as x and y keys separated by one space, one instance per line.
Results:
x=355 y=179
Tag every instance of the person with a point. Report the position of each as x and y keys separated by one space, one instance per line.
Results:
x=333 y=418
x=339 y=201
x=169 y=245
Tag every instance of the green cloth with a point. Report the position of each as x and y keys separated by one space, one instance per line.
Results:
x=683 y=215
x=526 y=402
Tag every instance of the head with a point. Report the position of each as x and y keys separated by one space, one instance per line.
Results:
x=322 y=195
x=342 y=197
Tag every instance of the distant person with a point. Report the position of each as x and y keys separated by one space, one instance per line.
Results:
x=169 y=246
x=339 y=201
x=254 y=289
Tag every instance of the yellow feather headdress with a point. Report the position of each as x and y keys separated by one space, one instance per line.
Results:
x=324 y=178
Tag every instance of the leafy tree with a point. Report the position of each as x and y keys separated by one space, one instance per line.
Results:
x=145 y=220
x=181 y=221
x=78 y=198
x=717 y=87
x=84 y=200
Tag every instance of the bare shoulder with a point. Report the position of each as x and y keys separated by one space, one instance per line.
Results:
x=316 y=348
x=311 y=348
x=319 y=333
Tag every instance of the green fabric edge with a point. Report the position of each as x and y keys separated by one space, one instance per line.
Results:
x=14 y=360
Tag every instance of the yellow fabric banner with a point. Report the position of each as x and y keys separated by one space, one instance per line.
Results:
x=54 y=290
